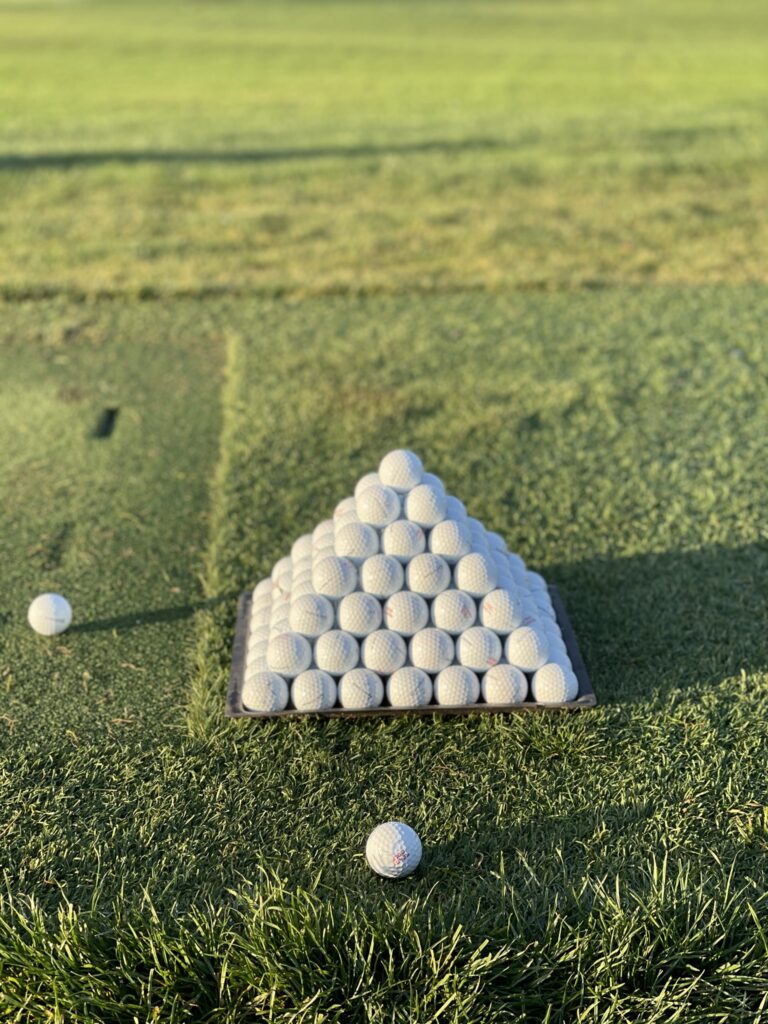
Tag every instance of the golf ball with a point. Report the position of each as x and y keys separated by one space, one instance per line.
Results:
x=428 y=574
x=265 y=691
x=456 y=686
x=454 y=509
x=554 y=683
x=311 y=615
x=406 y=613
x=504 y=684
x=262 y=591
x=336 y=652
x=334 y=577
x=401 y=470
x=403 y=540
x=527 y=648
x=288 y=654
x=425 y=505
x=357 y=541
x=378 y=505
x=49 y=614
x=476 y=573
x=359 y=613
x=501 y=610
x=431 y=650
x=433 y=481
x=344 y=506
x=381 y=575
x=449 y=539
x=369 y=480
x=313 y=691
x=478 y=648
x=454 y=611
x=360 y=689
x=384 y=651
x=393 y=850
x=409 y=687
x=323 y=532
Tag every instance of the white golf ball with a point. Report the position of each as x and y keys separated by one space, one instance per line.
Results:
x=425 y=505
x=456 y=686
x=454 y=611
x=431 y=650
x=336 y=652
x=369 y=480
x=496 y=542
x=262 y=591
x=403 y=540
x=476 y=573
x=434 y=481
x=527 y=648
x=360 y=689
x=454 y=509
x=378 y=505
x=554 y=683
x=265 y=692
x=409 y=687
x=381 y=575
x=281 y=566
x=288 y=654
x=517 y=567
x=313 y=690
x=344 y=506
x=384 y=651
x=334 y=577
x=393 y=850
x=504 y=684
x=311 y=615
x=401 y=470
x=302 y=548
x=449 y=539
x=428 y=574
x=478 y=648
x=323 y=532
x=501 y=610
x=357 y=542
x=535 y=582
x=359 y=613
x=406 y=613
x=49 y=614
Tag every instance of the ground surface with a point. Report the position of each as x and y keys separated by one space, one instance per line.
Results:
x=524 y=239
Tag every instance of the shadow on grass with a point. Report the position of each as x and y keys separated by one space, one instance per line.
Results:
x=37 y=161
x=666 y=621
x=152 y=616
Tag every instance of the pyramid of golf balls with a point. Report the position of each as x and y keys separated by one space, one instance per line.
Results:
x=403 y=600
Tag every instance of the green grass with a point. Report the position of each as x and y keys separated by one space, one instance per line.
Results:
x=526 y=240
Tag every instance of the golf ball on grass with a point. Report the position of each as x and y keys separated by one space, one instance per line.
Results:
x=409 y=687
x=313 y=690
x=336 y=652
x=431 y=650
x=456 y=686
x=527 y=648
x=504 y=684
x=49 y=614
x=266 y=692
x=359 y=613
x=406 y=613
x=311 y=615
x=401 y=470
x=384 y=651
x=554 y=683
x=393 y=850
x=289 y=654
x=360 y=690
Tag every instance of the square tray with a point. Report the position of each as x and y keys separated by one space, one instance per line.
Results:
x=585 y=699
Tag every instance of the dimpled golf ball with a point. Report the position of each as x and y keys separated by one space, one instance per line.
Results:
x=302 y=548
x=282 y=566
x=401 y=470
x=49 y=614
x=496 y=542
x=478 y=648
x=504 y=684
x=334 y=577
x=431 y=480
x=403 y=540
x=425 y=505
x=409 y=687
x=336 y=652
x=288 y=654
x=344 y=506
x=527 y=648
x=359 y=613
x=393 y=850
x=454 y=611
x=323 y=532
x=360 y=690
x=381 y=575
x=456 y=686
x=384 y=651
x=369 y=480
x=431 y=650
x=449 y=539
x=501 y=610
x=554 y=683
x=454 y=509
x=378 y=505
x=311 y=615
x=263 y=590
x=517 y=567
x=406 y=613
x=313 y=690
x=357 y=541
x=476 y=573
x=266 y=692
x=428 y=574
x=535 y=581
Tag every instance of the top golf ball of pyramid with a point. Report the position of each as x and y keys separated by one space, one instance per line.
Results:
x=401 y=580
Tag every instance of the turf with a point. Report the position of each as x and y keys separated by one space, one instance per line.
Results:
x=523 y=239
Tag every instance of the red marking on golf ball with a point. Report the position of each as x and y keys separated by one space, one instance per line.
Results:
x=399 y=857
x=466 y=613
x=493 y=661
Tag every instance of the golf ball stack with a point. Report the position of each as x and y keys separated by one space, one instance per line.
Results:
x=400 y=599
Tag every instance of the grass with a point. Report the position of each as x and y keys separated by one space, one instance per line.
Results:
x=390 y=228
